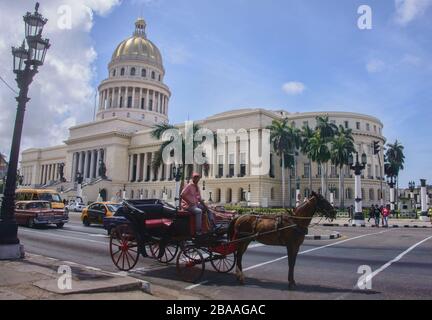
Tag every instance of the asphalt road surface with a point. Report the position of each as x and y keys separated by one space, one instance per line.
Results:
x=398 y=263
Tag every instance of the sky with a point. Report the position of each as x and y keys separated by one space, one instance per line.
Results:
x=296 y=55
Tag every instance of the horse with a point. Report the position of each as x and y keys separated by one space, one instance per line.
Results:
x=286 y=230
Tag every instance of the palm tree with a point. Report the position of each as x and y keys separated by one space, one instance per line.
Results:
x=327 y=131
x=306 y=134
x=319 y=152
x=395 y=160
x=157 y=133
x=285 y=139
x=341 y=147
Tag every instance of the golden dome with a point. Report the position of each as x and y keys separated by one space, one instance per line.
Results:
x=138 y=46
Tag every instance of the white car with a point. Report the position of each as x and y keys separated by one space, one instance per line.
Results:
x=75 y=206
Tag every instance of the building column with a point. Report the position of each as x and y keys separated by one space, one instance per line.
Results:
x=119 y=97
x=140 y=97
x=98 y=157
x=86 y=163
x=131 y=156
x=145 y=167
x=133 y=98
x=55 y=171
x=73 y=166
x=92 y=164
x=167 y=171
x=138 y=170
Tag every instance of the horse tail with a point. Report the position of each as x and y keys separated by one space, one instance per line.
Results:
x=231 y=229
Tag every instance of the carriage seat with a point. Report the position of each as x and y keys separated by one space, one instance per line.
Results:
x=158 y=223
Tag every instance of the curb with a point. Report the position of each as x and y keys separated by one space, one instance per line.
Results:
x=334 y=235
x=373 y=226
x=138 y=284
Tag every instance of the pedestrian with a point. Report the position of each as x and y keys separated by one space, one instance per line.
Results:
x=377 y=213
x=371 y=213
x=385 y=213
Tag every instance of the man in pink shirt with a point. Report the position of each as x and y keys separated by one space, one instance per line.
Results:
x=192 y=202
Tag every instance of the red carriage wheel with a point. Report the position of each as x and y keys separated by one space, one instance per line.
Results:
x=223 y=263
x=169 y=254
x=190 y=264
x=124 y=248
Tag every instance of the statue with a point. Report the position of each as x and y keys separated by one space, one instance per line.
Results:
x=102 y=169
x=61 y=172
x=79 y=178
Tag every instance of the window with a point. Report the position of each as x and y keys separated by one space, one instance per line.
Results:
x=133 y=71
x=159 y=77
x=231 y=165
x=367 y=126
x=151 y=104
x=242 y=164
x=142 y=103
x=143 y=73
x=306 y=169
x=122 y=71
x=121 y=102
x=129 y=102
x=272 y=196
x=114 y=73
x=271 y=167
x=358 y=125
x=153 y=75
x=346 y=124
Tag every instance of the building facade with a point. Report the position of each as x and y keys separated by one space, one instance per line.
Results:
x=134 y=98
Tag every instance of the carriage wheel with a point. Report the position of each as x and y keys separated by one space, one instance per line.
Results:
x=223 y=264
x=169 y=254
x=124 y=248
x=190 y=264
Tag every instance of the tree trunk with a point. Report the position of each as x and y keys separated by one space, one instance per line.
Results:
x=289 y=187
x=322 y=179
x=341 y=188
x=283 y=180
x=310 y=176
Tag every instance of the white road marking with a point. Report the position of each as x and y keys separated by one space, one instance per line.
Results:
x=388 y=264
x=196 y=285
x=313 y=249
x=65 y=237
x=93 y=268
x=256 y=246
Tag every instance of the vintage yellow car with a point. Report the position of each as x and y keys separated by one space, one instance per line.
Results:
x=52 y=196
x=94 y=213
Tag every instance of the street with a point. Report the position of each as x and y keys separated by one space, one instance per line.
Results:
x=400 y=260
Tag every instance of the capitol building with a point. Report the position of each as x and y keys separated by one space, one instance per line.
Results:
x=133 y=98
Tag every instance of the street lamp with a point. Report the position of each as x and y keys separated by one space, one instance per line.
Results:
x=25 y=66
x=391 y=182
x=357 y=167
x=423 y=199
x=332 y=192
x=411 y=186
x=177 y=173
x=297 y=195
x=248 y=197
x=79 y=179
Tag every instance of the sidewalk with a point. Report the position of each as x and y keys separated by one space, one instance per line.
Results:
x=392 y=222
x=36 y=277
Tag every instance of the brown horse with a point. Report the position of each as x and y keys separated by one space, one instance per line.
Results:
x=286 y=230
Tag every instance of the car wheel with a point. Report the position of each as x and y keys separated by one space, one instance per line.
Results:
x=86 y=221
x=60 y=225
x=30 y=223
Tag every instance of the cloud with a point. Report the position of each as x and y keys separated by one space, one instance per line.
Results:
x=408 y=10
x=293 y=88
x=61 y=93
x=375 y=65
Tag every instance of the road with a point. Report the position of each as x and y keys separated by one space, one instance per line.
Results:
x=400 y=259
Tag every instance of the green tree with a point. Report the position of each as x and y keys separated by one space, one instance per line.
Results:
x=285 y=140
x=319 y=152
x=305 y=135
x=342 y=146
x=394 y=161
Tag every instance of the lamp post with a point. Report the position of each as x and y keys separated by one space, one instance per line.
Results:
x=297 y=195
x=423 y=199
x=25 y=66
x=357 y=167
x=248 y=196
x=177 y=173
x=79 y=180
x=411 y=186
x=332 y=192
x=391 y=182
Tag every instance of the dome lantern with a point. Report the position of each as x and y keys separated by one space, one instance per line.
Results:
x=140 y=25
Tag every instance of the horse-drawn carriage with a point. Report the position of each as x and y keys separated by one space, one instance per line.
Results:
x=154 y=228
x=169 y=234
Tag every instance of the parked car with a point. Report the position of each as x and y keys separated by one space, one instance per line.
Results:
x=27 y=194
x=33 y=213
x=94 y=213
x=76 y=205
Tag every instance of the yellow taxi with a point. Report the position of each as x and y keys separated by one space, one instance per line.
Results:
x=94 y=213
x=52 y=196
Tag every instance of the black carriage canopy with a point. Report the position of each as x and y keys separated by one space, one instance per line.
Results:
x=151 y=208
